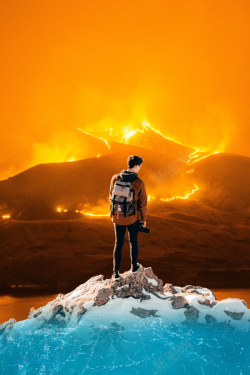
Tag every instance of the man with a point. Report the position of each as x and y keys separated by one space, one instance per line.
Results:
x=131 y=221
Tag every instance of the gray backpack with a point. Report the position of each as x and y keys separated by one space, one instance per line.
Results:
x=122 y=201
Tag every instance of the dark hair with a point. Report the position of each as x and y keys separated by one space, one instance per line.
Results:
x=134 y=160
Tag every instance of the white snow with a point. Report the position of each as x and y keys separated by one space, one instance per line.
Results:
x=152 y=281
x=88 y=305
x=75 y=294
x=168 y=294
x=119 y=310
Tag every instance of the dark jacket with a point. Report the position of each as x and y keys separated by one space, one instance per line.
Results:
x=140 y=198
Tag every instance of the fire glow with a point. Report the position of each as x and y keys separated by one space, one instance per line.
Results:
x=88 y=214
x=102 y=139
x=150 y=198
x=203 y=157
x=130 y=133
x=6 y=216
x=177 y=197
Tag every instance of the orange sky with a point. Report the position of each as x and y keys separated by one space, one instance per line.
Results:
x=182 y=66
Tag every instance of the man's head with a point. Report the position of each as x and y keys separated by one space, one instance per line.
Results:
x=134 y=163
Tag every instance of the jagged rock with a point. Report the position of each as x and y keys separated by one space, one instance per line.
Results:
x=144 y=297
x=32 y=309
x=208 y=302
x=205 y=302
x=179 y=301
x=210 y=320
x=169 y=288
x=234 y=315
x=192 y=314
x=243 y=301
x=134 y=290
x=191 y=289
x=195 y=289
x=143 y=313
x=8 y=324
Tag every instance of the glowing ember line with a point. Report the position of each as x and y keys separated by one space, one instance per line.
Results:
x=146 y=124
x=59 y=209
x=104 y=140
x=85 y=213
x=170 y=199
x=192 y=156
x=195 y=152
x=203 y=157
x=6 y=216
x=129 y=134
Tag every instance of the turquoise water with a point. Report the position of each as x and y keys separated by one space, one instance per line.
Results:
x=146 y=348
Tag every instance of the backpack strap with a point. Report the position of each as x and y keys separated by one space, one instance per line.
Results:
x=124 y=207
x=118 y=207
x=113 y=205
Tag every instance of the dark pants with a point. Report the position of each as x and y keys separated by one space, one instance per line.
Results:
x=120 y=231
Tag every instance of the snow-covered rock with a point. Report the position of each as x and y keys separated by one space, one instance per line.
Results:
x=135 y=298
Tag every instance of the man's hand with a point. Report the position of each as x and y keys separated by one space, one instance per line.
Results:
x=143 y=223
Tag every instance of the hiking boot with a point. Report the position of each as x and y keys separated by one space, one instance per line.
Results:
x=116 y=276
x=137 y=268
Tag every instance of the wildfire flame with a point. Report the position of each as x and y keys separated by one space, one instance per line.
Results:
x=104 y=140
x=178 y=197
x=86 y=213
x=147 y=125
x=59 y=209
x=203 y=157
x=128 y=133
x=149 y=199
x=6 y=216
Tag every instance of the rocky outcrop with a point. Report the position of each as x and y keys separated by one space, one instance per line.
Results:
x=235 y=315
x=7 y=326
x=149 y=297
x=143 y=313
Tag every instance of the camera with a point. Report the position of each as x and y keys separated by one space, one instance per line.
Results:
x=143 y=229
